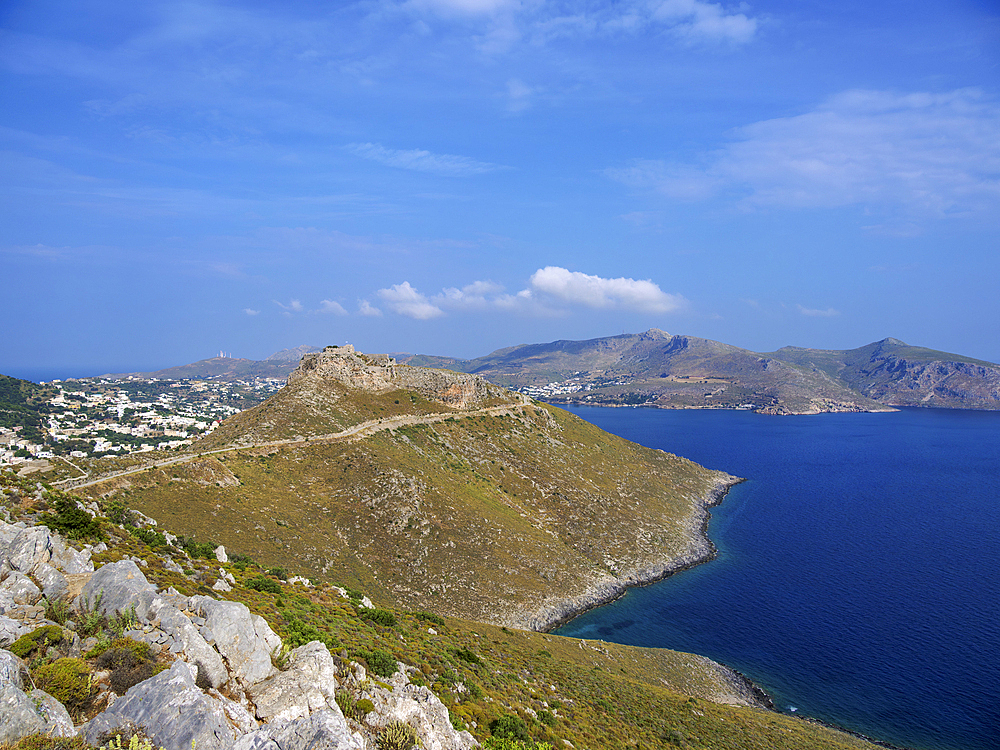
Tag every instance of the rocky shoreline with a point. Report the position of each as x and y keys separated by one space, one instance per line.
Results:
x=555 y=614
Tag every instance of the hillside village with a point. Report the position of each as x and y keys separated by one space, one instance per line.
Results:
x=105 y=416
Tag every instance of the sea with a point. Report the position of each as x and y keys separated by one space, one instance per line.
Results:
x=858 y=571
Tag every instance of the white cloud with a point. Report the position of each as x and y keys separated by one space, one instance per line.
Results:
x=405 y=300
x=293 y=306
x=552 y=291
x=477 y=295
x=329 y=306
x=368 y=310
x=250 y=311
x=827 y=313
x=466 y=7
x=922 y=154
x=700 y=20
x=422 y=161
x=575 y=288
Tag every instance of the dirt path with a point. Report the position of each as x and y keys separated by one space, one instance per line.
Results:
x=357 y=431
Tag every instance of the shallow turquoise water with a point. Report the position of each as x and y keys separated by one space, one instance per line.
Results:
x=858 y=579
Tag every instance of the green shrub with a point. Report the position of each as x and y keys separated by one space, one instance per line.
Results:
x=508 y=743
x=512 y=727
x=279 y=573
x=56 y=609
x=69 y=519
x=240 y=562
x=397 y=735
x=300 y=633
x=364 y=707
x=67 y=680
x=379 y=662
x=38 y=639
x=474 y=690
x=380 y=616
x=430 y=617
x=128 y=661
x=547 y=718
x=124 y=620
x=196 y=549
x=262 y=583
x=117 y=511
x=151 y=537
x=466 y=655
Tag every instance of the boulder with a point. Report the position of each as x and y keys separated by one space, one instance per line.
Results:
x=195 y=649
x=57 y=720
x=421 y=709
x=120 y=586
x=18 y=717
x=10 y=629
x=220 y=554
x=12 y=670
x=70 y=560
x=30 y=548
x=172 y=710
x=308 y=684
x=21 y=589
x=322 y=730
x=54 y=584
x=6 y=601
x=245 y=640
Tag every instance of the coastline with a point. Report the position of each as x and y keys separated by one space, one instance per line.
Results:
x=559 y=612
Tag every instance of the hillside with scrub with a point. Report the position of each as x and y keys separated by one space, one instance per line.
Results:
x=434 y=490
x=117 y=633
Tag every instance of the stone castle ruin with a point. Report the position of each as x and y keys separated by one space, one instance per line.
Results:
x=379 y=373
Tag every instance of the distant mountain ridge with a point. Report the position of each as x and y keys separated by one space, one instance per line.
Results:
x=655 y=368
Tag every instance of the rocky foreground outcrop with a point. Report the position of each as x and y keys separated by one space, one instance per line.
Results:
x=224 y=688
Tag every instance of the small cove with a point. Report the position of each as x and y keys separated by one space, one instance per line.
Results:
x=858 y=576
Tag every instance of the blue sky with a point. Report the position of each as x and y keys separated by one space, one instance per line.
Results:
x=454 y=176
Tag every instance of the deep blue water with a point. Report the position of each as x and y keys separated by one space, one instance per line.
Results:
x=858 y=577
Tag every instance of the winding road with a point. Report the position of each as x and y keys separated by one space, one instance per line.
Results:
x=362 y=429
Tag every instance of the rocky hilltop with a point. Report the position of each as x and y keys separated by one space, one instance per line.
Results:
x=379 y=373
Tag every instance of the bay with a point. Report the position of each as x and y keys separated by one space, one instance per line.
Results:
x=858 y=576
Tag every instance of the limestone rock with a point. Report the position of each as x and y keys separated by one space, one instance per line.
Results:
x=18 y=717
x=69 y=560
x=245 y=640
x=220 y=554
x=421 y=709
x=57 y=720
x=308 y=684
x=323 y=730
x=195 y=648
x=28 y=549
x=10 y=629
x=12 y=670
x=21 y=588
x=120 y=585
x=172 y=710
x=222 y=585
x=54 y=584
